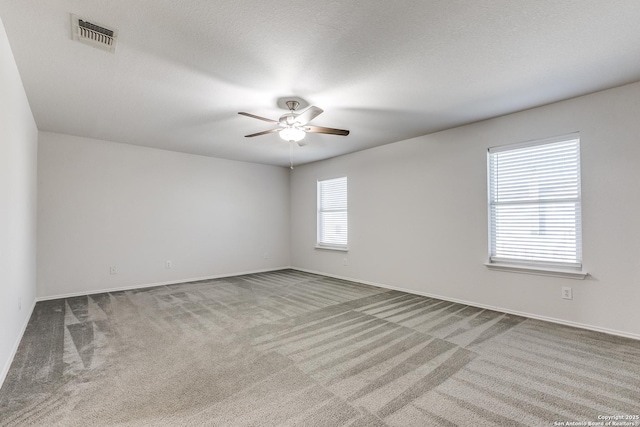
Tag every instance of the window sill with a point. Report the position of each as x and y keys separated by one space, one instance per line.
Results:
x=566 y=273
x=333 y=248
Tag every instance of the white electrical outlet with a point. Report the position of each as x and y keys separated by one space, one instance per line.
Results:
x=113 y=270
x=567 y=292
x=167 y=265
x=266 y=255
x=345 y=261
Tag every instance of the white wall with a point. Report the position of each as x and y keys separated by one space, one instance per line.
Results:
x=418 y=214
x=18 y=154
x=103 y=203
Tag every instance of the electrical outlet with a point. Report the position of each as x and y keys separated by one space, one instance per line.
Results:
x=567 y=292
x=113 y=270
x=266 y=255
x=345 y=261
x=167 y=265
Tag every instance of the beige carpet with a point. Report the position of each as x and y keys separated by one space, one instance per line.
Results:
x=294 y=349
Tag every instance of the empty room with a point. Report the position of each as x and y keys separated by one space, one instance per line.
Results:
x=366 y=213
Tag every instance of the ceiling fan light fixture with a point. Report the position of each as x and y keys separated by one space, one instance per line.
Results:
x=292 y=134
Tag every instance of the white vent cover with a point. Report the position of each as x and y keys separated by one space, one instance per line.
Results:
x=93 y=34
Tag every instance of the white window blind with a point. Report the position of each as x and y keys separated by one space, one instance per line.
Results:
x=332 y=213
x=534 y=203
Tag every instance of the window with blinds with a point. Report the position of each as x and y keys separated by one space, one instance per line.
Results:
x=332 y=213
x=534 y=203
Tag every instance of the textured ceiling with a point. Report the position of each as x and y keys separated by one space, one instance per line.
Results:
x=385 y=70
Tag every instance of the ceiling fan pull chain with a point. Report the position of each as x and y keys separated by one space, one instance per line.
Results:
x=291 y=155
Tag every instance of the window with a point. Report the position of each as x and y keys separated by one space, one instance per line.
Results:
x=534 y=203
x=332 y=213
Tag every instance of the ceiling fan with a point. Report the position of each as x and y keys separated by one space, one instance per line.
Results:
x=294 y=126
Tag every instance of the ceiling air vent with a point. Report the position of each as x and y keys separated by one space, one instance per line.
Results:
x=93 y=34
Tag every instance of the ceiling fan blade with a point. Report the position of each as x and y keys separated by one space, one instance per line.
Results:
x=330 y=131
x=309 y=114
x=257 y=117
x=263 y=133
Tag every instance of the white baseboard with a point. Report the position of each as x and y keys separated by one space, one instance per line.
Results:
x=7 y=365
x=488 y=307
x=151 y=285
